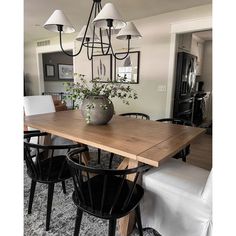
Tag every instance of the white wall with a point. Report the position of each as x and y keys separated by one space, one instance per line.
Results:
x=154 y=60
x=30 y=69
x=54 y=86
x=197 y=49
x=207 y=76
x=207 y=66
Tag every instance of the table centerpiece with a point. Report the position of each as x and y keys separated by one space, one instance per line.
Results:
x=94 y=98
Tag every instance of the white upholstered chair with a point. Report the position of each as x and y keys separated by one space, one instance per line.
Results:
x=41 y=104
x=178 y=199
x=34 y=105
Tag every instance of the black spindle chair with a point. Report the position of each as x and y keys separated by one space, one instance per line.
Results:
x=45 y=166
x=184 y=152
x=104 y=193
x=137 y=115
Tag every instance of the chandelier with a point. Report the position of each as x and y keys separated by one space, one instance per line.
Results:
x=97 y=34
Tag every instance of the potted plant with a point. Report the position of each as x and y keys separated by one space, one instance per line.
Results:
x=94 y=99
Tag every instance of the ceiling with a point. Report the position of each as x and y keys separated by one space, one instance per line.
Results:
x=36 y=12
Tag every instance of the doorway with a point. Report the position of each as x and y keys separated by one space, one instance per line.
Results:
x=48 y=69
x=177 y=28
x=57 y=69
x=193 y=80
x=40 y=66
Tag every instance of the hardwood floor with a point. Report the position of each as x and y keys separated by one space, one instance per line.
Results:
x=201 y=152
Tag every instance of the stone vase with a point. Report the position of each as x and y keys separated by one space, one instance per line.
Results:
x=97 y=109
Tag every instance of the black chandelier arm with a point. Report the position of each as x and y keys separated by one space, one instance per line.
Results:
x=92 y=46
x=63 y=50
x=109 y=41
x=109 y=45
x=100 y=32
x=60 y=29
x=126 y=54
x=88 y=56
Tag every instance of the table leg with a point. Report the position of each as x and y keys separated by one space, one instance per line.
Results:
x=85 y=155
x=123 y=164
x=46 y=140
x=126 y=224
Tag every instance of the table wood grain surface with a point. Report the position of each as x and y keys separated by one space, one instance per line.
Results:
x=142 y=140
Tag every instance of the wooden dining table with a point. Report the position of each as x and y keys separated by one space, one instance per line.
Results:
x=137 y=140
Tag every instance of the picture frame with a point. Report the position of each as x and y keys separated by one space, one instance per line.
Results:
x=102 y=68
x=50 y=70
x=65 y=72
x=127 y=70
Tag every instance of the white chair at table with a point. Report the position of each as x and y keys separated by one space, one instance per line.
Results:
x=178 y=199
x=41 y=104
x=34 y=105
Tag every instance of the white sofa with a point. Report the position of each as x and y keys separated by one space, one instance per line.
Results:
x=178 y=199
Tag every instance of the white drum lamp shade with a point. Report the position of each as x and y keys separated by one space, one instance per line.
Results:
x=58 y=18
x=129 y=30
x=89 y=34
x=109 y=12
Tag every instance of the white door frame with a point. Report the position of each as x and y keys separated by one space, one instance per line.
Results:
x=47 y=49
x=180 y=27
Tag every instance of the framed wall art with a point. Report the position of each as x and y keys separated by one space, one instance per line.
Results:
x=50 y=70
x=102 y=68
x=127 y=70
x=65 y=72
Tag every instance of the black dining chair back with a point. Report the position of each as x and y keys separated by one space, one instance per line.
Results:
x=184 y=152
x=176 y=121
x=137 y=115
x=42 y=163
x=45 y=164
x=104 y=193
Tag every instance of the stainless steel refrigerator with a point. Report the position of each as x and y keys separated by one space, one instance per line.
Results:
x=185 y=86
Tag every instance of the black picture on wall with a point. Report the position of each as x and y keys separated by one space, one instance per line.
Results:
x=50 y=70
x=127 y=70
x=102 y=68
x=65 y=72
x=51 y=61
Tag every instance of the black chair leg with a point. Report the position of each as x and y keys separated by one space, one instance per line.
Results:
x=78 y=221
x=99 y=155
x=63 y=186
x=49 y=205
x=112 y=227
x=111 y=158
x=138 y=219
x=31 y=199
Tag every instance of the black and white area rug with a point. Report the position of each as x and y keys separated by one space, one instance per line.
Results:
x=63 y=213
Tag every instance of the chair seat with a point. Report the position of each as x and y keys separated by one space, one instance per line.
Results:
x=113 y=184
x=178 y=177
x=173 y=202
x=59 y=170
